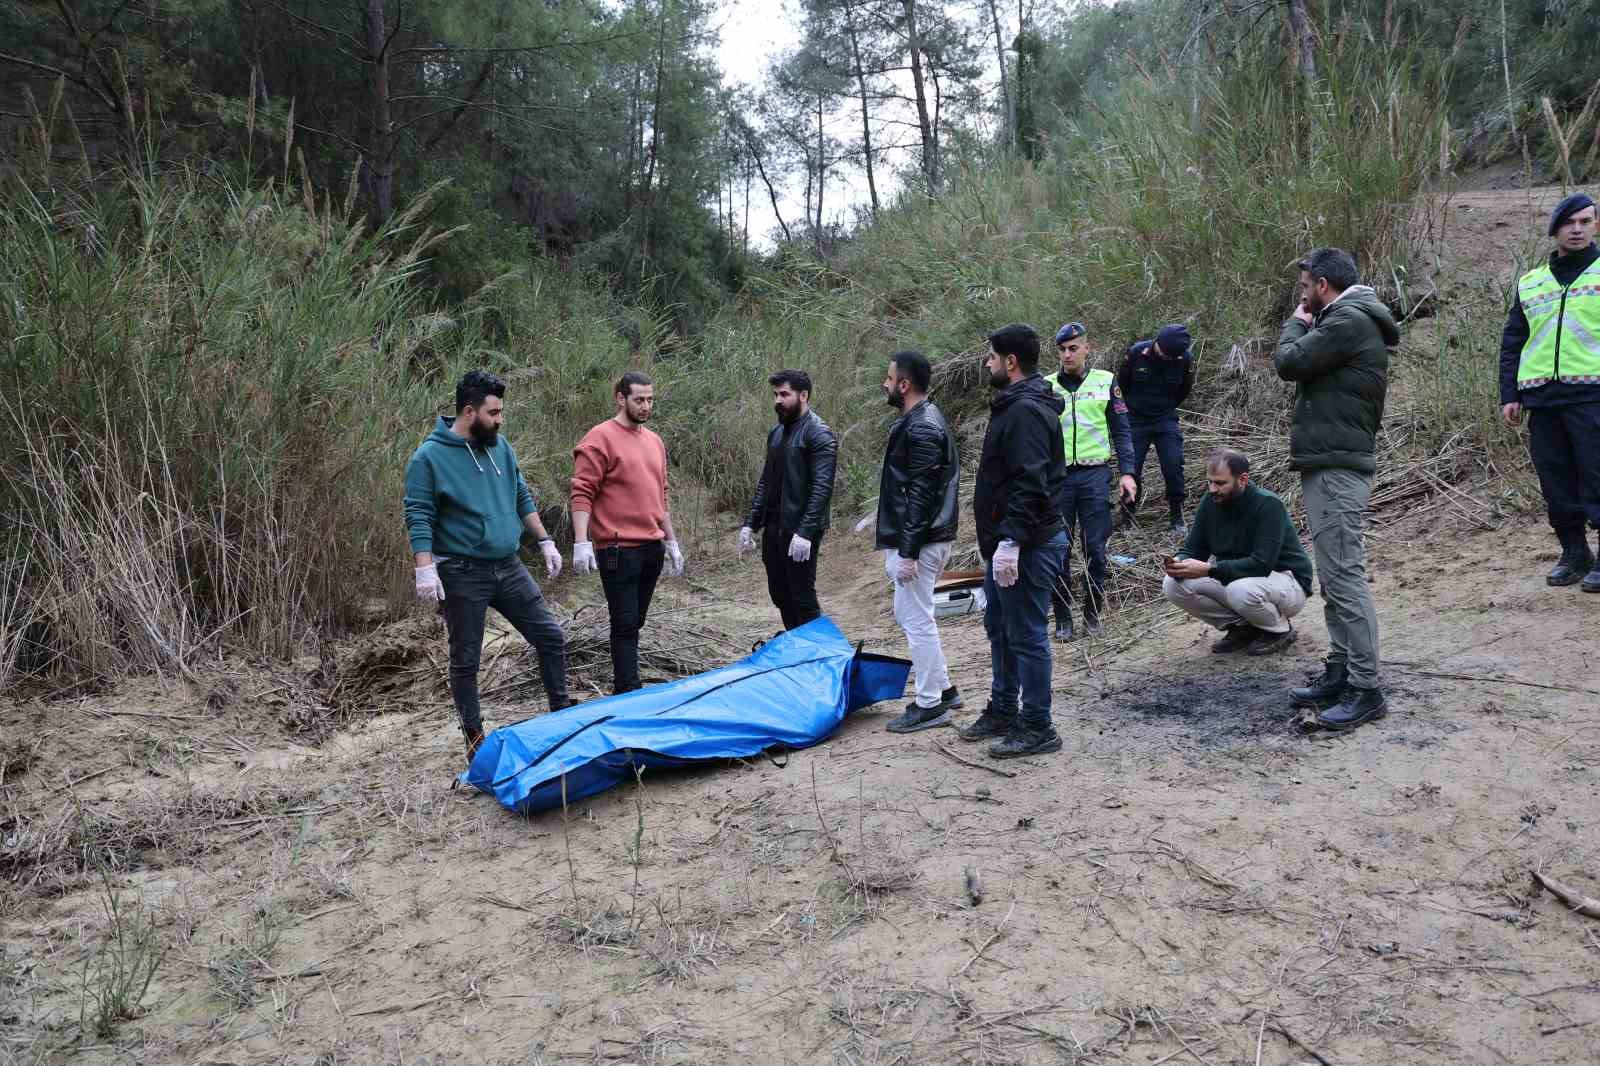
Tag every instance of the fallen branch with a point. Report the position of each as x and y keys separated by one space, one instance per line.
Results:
x=975 y=765
x=1301 y=1044
x=1553 y=1029
x=393 y=1007
x=992 y=938
x=1575 y=900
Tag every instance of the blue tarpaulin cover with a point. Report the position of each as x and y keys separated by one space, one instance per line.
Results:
x=792 y=692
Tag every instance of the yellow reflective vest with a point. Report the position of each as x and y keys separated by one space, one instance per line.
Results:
x=1563 y=328
x=1085 y=432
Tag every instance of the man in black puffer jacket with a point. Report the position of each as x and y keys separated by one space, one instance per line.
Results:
x=1021 y=481
x=792 y=499
x=918 y=505
x=1335 y=348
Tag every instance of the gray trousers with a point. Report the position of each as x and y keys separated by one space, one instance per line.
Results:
x=1264 y=602
x=1336 y=507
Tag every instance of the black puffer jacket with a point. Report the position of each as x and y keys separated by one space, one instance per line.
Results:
x=1023 y=469
x=918 y=492
x=1340 y=367
x=808 y=459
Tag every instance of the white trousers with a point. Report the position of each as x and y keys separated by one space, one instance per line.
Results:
x=913 y=610
x=1265 y=602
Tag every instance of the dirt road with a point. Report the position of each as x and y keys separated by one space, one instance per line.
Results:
x=1190 y=880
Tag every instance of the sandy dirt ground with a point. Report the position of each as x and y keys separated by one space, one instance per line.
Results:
x=1191 y=880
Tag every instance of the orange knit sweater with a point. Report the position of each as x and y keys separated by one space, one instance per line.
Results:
x=620 y=477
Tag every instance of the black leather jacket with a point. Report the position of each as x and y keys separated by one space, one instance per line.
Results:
x=808 y=459
x=919 y=490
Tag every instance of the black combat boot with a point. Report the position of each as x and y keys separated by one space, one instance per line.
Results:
x=1064 y=624
x=1175 y=518
x=1576 y=560
x=1093 y=599
x=1325 y=689
x=1591 y=580
x=1357 y=707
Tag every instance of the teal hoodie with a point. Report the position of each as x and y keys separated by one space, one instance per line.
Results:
x=464 y=500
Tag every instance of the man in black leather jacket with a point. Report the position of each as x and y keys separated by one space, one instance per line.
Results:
x=791 y=502
x=1021 y=479
x=918 y=505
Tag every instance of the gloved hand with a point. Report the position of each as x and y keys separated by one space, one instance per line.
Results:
x=429 y=587
x=905 y=571
x=747 y=539
x=674 y=559
x=552 y=557
x=583 y=558
x=1007 y=559
x=799 y=548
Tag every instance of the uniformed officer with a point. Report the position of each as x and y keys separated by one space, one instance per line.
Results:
x=1156 y=376
x=1550 y=365
x=1094 y=426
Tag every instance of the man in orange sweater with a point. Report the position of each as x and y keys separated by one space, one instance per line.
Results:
x=620 y=522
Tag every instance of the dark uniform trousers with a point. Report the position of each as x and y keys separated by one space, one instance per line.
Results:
x=1087 y=505
x=1565 y=442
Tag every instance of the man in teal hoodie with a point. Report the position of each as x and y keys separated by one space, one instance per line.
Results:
x=466 y=508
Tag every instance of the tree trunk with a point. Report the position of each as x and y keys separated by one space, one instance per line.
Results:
x=1008 y=116
x=655 y=139
x=930 y=149
x=861 y=85
x=1305 y=42
x=382 y=146
x=822 y=172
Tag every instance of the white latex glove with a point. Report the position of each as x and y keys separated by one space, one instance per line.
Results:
x=552 y=557
x=1006 y=559
x=429 y=587
x=799 y=548
x=905 y=571
x=747 y=539
x=674 y=559
x=583 y=558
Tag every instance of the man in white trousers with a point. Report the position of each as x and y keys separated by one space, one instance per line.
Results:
x=918 y=509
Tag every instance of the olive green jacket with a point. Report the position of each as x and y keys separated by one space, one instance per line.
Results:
x=1340 y=367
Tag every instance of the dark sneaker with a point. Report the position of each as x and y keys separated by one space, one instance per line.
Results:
x=1322 y=690
x=1020 y=742
x=949 y=700
x=1237 y=637
x=1064 y=628
x=1268 y=643
x=1358 y=707
x=988 y=725
x=916 y=718
x=1092 y=624
x=1591 y=581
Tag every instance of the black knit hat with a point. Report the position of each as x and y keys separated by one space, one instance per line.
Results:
x=1567 y=208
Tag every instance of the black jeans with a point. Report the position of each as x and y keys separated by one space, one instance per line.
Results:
x=1565 y=442
x=471 y=587
x=629 y=577
x=792 y=585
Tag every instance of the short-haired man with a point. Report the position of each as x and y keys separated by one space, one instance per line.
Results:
x=918 y=513
x=1021 y=479
x=1335 y=348
x=466 y=507
x=1156 y=376
x=1550 y=366
x=619 y=502
x=792 y=499
x=1242 y=568
x=1094 y=430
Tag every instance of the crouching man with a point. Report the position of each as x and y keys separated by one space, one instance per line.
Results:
x=1242 y=567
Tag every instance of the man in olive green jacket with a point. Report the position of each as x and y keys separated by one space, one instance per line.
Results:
x=1335 y=349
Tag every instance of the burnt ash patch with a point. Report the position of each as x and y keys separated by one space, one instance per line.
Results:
x=1219 y=709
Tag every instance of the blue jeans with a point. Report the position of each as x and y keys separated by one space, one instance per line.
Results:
x=1017 y=622
x=1164 y=433
x=1087 y=506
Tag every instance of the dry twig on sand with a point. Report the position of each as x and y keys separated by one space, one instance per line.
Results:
x=1575 y=900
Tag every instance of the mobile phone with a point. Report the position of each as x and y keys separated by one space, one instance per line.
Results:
x=1167 y=560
